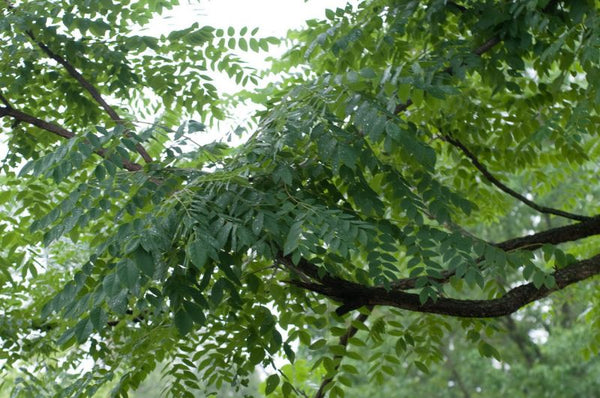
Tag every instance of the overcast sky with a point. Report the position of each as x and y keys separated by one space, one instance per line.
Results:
x=272 y=17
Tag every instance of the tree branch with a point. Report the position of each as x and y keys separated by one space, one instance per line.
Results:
x=343 y=290
x=454 y=371
x=26 y=118
x=479 y=51
x=5 y=101
x=343 y=341
x=553 y=236
x=89 y=88
x=490 y=177
x=57 y=130
x=523 y=342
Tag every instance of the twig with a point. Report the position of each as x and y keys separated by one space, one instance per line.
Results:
x=344 y=339
x=490 y=177
x=479 y=51
x=58 y=130
x=89 y=88
x=5 y=101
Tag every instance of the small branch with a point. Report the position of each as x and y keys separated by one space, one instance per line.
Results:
x=57 y=130
x=459 y=381
x=488 y=45
x=5 y=101
x=554 y=236
x=89 y=88
x=490 y=177
x=479 y=51
x=344 y=339
x=344 y=291
x=135 y=319
x=26 y=118
x=523 y=342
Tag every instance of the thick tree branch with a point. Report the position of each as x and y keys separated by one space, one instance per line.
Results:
x=552 y=236
x=490 y=177
x=26 y=118
x=57 y=130
x=89 y=88
x=487 y=46
x=343 y=290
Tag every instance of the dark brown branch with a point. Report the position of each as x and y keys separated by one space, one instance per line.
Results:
x=343 y=290
x=552 y=236
x=26 y=118
x=89 y=88
x=57 y=130
x=488 y=45
x=5 y=101
x=344 y=339
x=135 y=319
x=490 y=177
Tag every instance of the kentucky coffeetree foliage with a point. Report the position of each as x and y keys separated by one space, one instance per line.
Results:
x=419 y=169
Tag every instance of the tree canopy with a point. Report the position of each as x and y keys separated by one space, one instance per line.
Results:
x=417 y=172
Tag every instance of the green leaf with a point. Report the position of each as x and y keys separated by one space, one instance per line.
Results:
x=144 y=261
x=318 y=344
x=100 y=172
x=271 y=383
x=194 y=126
x=422 y=367
x=198 y=253
x=289 y=352
x=286 y=389
x=243 y=44
x=83 y=329
x=183 y=322
x=539 y=278
x=216 y=294
x=257 y=225
x=118 y=302
x=98 y=318
x=128 y=274
x=486 y=350
x=293 y=238
x=195 y=312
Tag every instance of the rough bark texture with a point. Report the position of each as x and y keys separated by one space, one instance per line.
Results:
x=356 y=295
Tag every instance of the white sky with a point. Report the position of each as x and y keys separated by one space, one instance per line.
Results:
x=272 y=17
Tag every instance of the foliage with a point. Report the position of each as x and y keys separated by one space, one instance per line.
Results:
x=400 y=142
